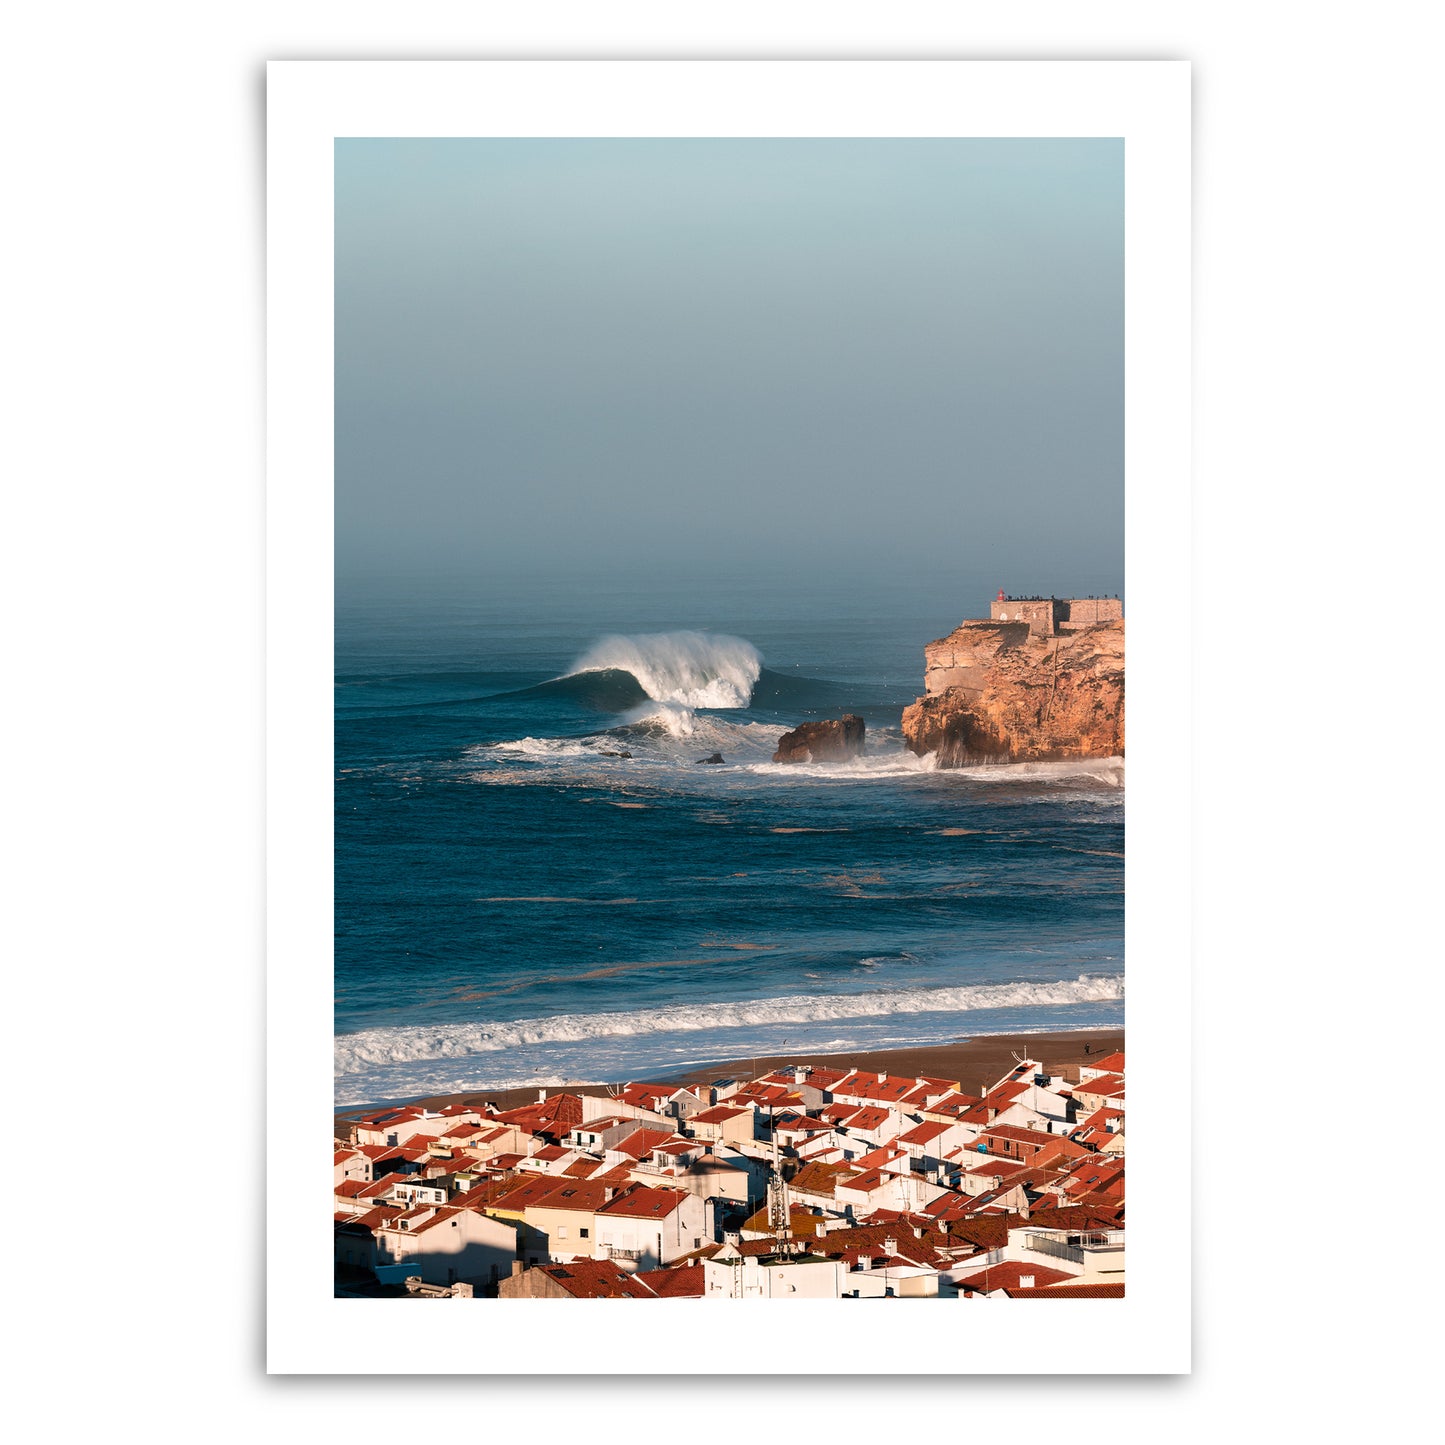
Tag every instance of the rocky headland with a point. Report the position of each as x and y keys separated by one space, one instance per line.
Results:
x=1001 y=692
x=832 y=740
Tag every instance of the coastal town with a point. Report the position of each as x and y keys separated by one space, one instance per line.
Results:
x=805 y=1182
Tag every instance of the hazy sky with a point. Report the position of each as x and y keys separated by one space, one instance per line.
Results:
x=716 y=354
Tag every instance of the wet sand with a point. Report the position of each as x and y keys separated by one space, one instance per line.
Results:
x=974 y=1063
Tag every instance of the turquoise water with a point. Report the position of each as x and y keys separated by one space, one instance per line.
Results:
x=517 y=902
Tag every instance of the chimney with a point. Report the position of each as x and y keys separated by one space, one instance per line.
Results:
x=541 y=1096
x=882 y=1078
x=890 y=1246
x=518 y=1267
x=1026 y=1281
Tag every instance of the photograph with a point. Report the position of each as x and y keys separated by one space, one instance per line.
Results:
x=729 y=738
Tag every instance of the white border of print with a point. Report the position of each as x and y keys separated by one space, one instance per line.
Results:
x=309 y=104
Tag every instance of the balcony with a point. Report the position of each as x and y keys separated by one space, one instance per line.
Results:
x=1076 y=1248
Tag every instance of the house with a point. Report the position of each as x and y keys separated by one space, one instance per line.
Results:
x=644 y=1226
x=651 y=1098
x=948 y=1108
x=884 y=1189
x=1109 y=1064
x=1103 y=1091
x=816 y=1185
x=867 y=1127
x=861 y=1087
x=443 y=1245
x=1007 y=1141
x=1103 y=1130
x=730 y=1274
x=638 y=1145
x=549 y=1159
x=729 y=1122
x=578 y=1279
x=732 y=1177
x=802 y=1223
x=890 y=1277
x=351 y=1164
x=1090 y=1256
x=929 y=1144
x=552 y=1116
x=680 y=1281
x=992 y=1280
x=562 y=1223
x=355 y=1245
x=597 y=1136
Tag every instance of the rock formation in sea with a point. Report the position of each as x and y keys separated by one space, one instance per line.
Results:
x=833 y=740
x=1001 y=691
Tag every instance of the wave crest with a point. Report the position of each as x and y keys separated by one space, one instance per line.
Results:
x=692 y=669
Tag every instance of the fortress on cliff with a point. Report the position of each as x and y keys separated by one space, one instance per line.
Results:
x=1049 y=616
x=1043 y=631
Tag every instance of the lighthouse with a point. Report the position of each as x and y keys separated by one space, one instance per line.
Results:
x=1000 y=597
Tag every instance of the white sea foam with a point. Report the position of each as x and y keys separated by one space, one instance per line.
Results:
x=898 y=763
x=542 y=749
x=696 y=669
x=1106 y=771
x=676 y=719
x=376 y=1048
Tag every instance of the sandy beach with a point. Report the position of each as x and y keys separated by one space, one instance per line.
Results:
x=974 y=1063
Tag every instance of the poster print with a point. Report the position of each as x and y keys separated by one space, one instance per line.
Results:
x=729 y=731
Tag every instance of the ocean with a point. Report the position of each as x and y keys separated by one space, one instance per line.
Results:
x=538 y=881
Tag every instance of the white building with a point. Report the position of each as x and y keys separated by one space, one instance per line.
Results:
x=644 y=1227
x=729 y=1275
x=445 y=1245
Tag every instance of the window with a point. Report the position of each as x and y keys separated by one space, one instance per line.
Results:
x=585 y=1233
x=561 y=1231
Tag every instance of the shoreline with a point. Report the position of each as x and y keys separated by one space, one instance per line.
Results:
x=976 y=1062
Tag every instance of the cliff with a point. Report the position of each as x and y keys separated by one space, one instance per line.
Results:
x=994 y=693
x=829 y=741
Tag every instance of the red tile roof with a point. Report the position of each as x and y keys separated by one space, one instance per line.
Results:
x=683 y=1281
x=883 y=1154
x=584 y=1194
x=719 y=1115
x=644 y=1202
x=867 y=1182
x=1071 y=1291
x=597 y=1279
x=876 y=1087
x=642 y=1142
x=868 y=1118
x=954 y=1105
x=555 y=1114
x=819 y=1178
x=924 y=1133
x=1011 y=1273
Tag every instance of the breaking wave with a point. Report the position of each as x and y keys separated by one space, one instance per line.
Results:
x=372 y=1048
x=694 y=669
